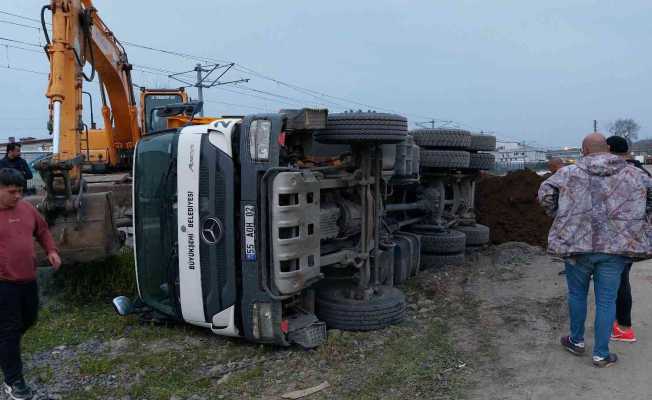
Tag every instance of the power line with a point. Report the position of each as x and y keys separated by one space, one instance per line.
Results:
x=19 y=42
x=21 y=48
x=235 y=104
x=293 y=104
x=247 y=70
x=3 y=21
x=23 y=70
x=166 y=71
x=22 y=17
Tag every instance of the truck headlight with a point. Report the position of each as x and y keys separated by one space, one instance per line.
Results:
x=259 y=133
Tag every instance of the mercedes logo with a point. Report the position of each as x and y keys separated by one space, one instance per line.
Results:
x=211 y=230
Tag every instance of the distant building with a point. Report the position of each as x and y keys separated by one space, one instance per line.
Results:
x=642 y=148
x=515 y=154
x=31 y=148
x=569 y=155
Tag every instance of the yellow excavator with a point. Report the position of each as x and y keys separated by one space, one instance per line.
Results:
x=84 y=213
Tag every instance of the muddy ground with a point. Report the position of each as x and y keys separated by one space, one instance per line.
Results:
x=486 y=330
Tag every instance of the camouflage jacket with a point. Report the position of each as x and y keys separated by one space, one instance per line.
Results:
x=599 y=205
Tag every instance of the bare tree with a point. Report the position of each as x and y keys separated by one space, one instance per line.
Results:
x=625 y=127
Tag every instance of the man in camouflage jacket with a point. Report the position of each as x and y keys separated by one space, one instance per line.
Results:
x=600 y=224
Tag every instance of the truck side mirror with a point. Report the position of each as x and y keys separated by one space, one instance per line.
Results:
x=122 y=305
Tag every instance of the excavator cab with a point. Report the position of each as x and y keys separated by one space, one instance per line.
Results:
x=153 y=99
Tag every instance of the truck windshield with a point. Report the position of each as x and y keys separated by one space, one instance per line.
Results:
x=152 y=121
x=155 y=220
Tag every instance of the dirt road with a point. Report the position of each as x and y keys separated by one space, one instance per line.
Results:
x=522 y=312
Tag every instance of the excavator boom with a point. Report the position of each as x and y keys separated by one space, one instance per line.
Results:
x=82 y=216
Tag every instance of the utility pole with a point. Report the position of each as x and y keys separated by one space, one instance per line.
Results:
x=595 y=125
x=201 y=80
x=200 y=87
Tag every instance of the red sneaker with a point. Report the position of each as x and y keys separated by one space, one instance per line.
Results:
x=623 y=335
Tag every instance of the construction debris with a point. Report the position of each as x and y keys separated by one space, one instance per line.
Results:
x=306 y=392
x=508 y=205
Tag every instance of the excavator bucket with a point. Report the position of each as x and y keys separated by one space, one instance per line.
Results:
x=86 y=235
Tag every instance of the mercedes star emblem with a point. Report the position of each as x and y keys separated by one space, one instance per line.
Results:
x=211 y=230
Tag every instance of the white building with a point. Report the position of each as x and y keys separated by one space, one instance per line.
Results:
x=30 y=148
x=518 y=154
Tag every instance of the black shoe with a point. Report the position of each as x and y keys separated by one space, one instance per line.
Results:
x=603 y=362
x=575 y=348
x=18 y=390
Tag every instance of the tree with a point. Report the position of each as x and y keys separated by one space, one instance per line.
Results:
x=625 y=127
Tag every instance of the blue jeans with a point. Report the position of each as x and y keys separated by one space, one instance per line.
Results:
x=606 y=270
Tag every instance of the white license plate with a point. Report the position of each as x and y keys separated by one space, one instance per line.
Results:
x=250 y=232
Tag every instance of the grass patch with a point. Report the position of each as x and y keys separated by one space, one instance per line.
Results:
x=68 y=325
x=422 y=365
x=93 y=365
x=44 y=374
x=239 y=381
x=97 y=281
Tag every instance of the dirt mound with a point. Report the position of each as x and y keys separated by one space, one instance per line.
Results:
x=508 y=205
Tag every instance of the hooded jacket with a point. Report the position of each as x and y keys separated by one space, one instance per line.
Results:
x=599 y=206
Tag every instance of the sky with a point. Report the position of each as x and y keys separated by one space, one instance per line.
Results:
x=538 y=72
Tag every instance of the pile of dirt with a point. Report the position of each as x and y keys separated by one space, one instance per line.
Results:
x=508 y=205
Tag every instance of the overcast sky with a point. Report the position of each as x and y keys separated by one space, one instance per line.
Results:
x=533 y=71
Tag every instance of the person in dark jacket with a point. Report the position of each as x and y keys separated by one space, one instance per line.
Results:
x=15 y=161
x=20 y=223
x=622 y=329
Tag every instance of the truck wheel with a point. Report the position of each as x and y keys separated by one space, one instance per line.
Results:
x=444 y=158
x=442 y=138
x=482 y=143
x=476 y=235
x=363 y=127
x=440 y=260
x=443 y=242
x=482 y=161
x=338 y=310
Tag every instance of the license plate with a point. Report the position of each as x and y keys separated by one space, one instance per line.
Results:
x=250 y=232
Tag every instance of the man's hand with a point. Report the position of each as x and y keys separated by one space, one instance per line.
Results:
x=54 y=260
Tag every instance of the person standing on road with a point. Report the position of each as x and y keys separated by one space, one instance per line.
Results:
x=599 y=210
x=13 y=160
x=19 y=224
x=622 y=328
x=555 y=164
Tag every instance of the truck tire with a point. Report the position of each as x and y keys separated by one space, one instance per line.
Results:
x=385 y=307
x=363 y=127
x=482 y=161
x=440 y=260
x=445 y=158
x=442 y=138
x=443 y=242
x=476 y=235
x=482 y=143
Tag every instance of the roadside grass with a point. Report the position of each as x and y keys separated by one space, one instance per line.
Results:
x=66 y=325
x=416 y=363
x=98 y=281
x=416 y=359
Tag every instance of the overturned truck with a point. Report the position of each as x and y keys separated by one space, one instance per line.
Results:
x=274 y=227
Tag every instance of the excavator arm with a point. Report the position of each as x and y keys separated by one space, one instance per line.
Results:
x=83 y=217
x=83 y=223
x=80 y=37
